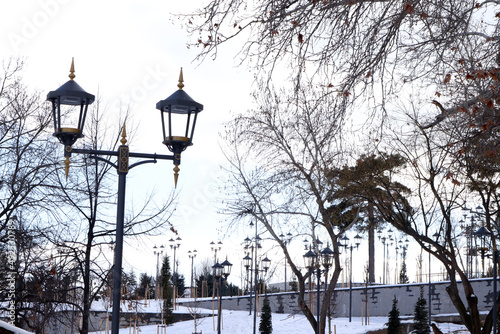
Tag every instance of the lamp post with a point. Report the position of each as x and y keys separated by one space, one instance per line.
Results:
x=482 y=233
x=286 y=240
x=68 y=128
x=192 y=255
x=157 y=251
x=480 y=238
x=175 y=244
x=347 y=245
x=221 y=270
x=215 y=248
x=313 y=262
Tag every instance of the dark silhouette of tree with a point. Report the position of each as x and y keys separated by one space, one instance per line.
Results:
x=266 y=321
x=167 y=290
x=146 y=282
x=420 y=318
x=403 y=275
x=394 y=323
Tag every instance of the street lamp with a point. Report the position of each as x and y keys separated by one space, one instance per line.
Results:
x=158 y=251
x=286 y=240
x=221 y=270
x=69 y=127
x=192 y=255
x=357 y=241
x=252 y=265
x=175 y=244
x=312 y=261
x=480 y=235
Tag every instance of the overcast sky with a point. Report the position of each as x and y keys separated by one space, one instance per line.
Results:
x=132 y=52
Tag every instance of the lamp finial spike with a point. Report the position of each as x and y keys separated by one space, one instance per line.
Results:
x=176 y=174
x=66 y=167
x=181 y=80
x=72 y=69
x=124 y=135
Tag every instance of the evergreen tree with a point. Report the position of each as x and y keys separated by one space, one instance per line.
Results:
x=403 y=276
x=166 y=287
x=420 y=320
x=394 y=324
x=266 y=323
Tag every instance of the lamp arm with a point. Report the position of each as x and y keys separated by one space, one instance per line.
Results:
x=142 y=163
x=104 y=160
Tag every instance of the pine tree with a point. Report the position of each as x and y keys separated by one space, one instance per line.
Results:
x=266 y=323
x=166 y=286
x=420 y=320
x=394 y=324
x=403 y=276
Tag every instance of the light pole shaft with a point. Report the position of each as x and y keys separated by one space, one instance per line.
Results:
x=318 y=274
x=495 y=302
x=117 y=270
x=220 y=306
x=350 y=285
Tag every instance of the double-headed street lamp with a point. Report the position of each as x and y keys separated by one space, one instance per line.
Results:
x=350 y=246
x=286 y=240
x=313 y=261
x=69 y=127
x=258 y=268
x=221 y=270
x=175 y=244
x=192 y=255
x=482 y=234
x=158 y=251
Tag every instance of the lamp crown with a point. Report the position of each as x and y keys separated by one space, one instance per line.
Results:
x=72 y=69
x=181 y=80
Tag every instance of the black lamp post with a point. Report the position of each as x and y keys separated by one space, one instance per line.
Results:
x=482 y=233
x=158 y=251
x=69 y=127
x=175 y=244
x=221 y=270
x=192 y=255
x=357 y=241
x=480 y=237
x=286 y=240
x=313 y=261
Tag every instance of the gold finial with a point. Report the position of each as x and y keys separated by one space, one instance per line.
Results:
x=124 y=135
x=66 y=167
x=176 y=174
x=181 y=80
x=72 y=69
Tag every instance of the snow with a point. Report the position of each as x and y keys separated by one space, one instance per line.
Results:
x=13 y=328
x=242 y=322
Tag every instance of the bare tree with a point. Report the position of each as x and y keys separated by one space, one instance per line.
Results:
x=352 y=45
x=278 y=157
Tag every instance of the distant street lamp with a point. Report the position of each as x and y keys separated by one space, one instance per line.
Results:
x=175 y=244
x=483 y=234
x=253 y=265
x=313 y=261
x=68 y=128
x=347 y=245
x=158 y=251
x=480 y=240
x=221 y=270
x=286 y=240
x=192 y=255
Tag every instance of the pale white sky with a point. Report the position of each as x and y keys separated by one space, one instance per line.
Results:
x=131 y=52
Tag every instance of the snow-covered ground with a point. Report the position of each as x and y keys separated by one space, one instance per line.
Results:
x=236 y=322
